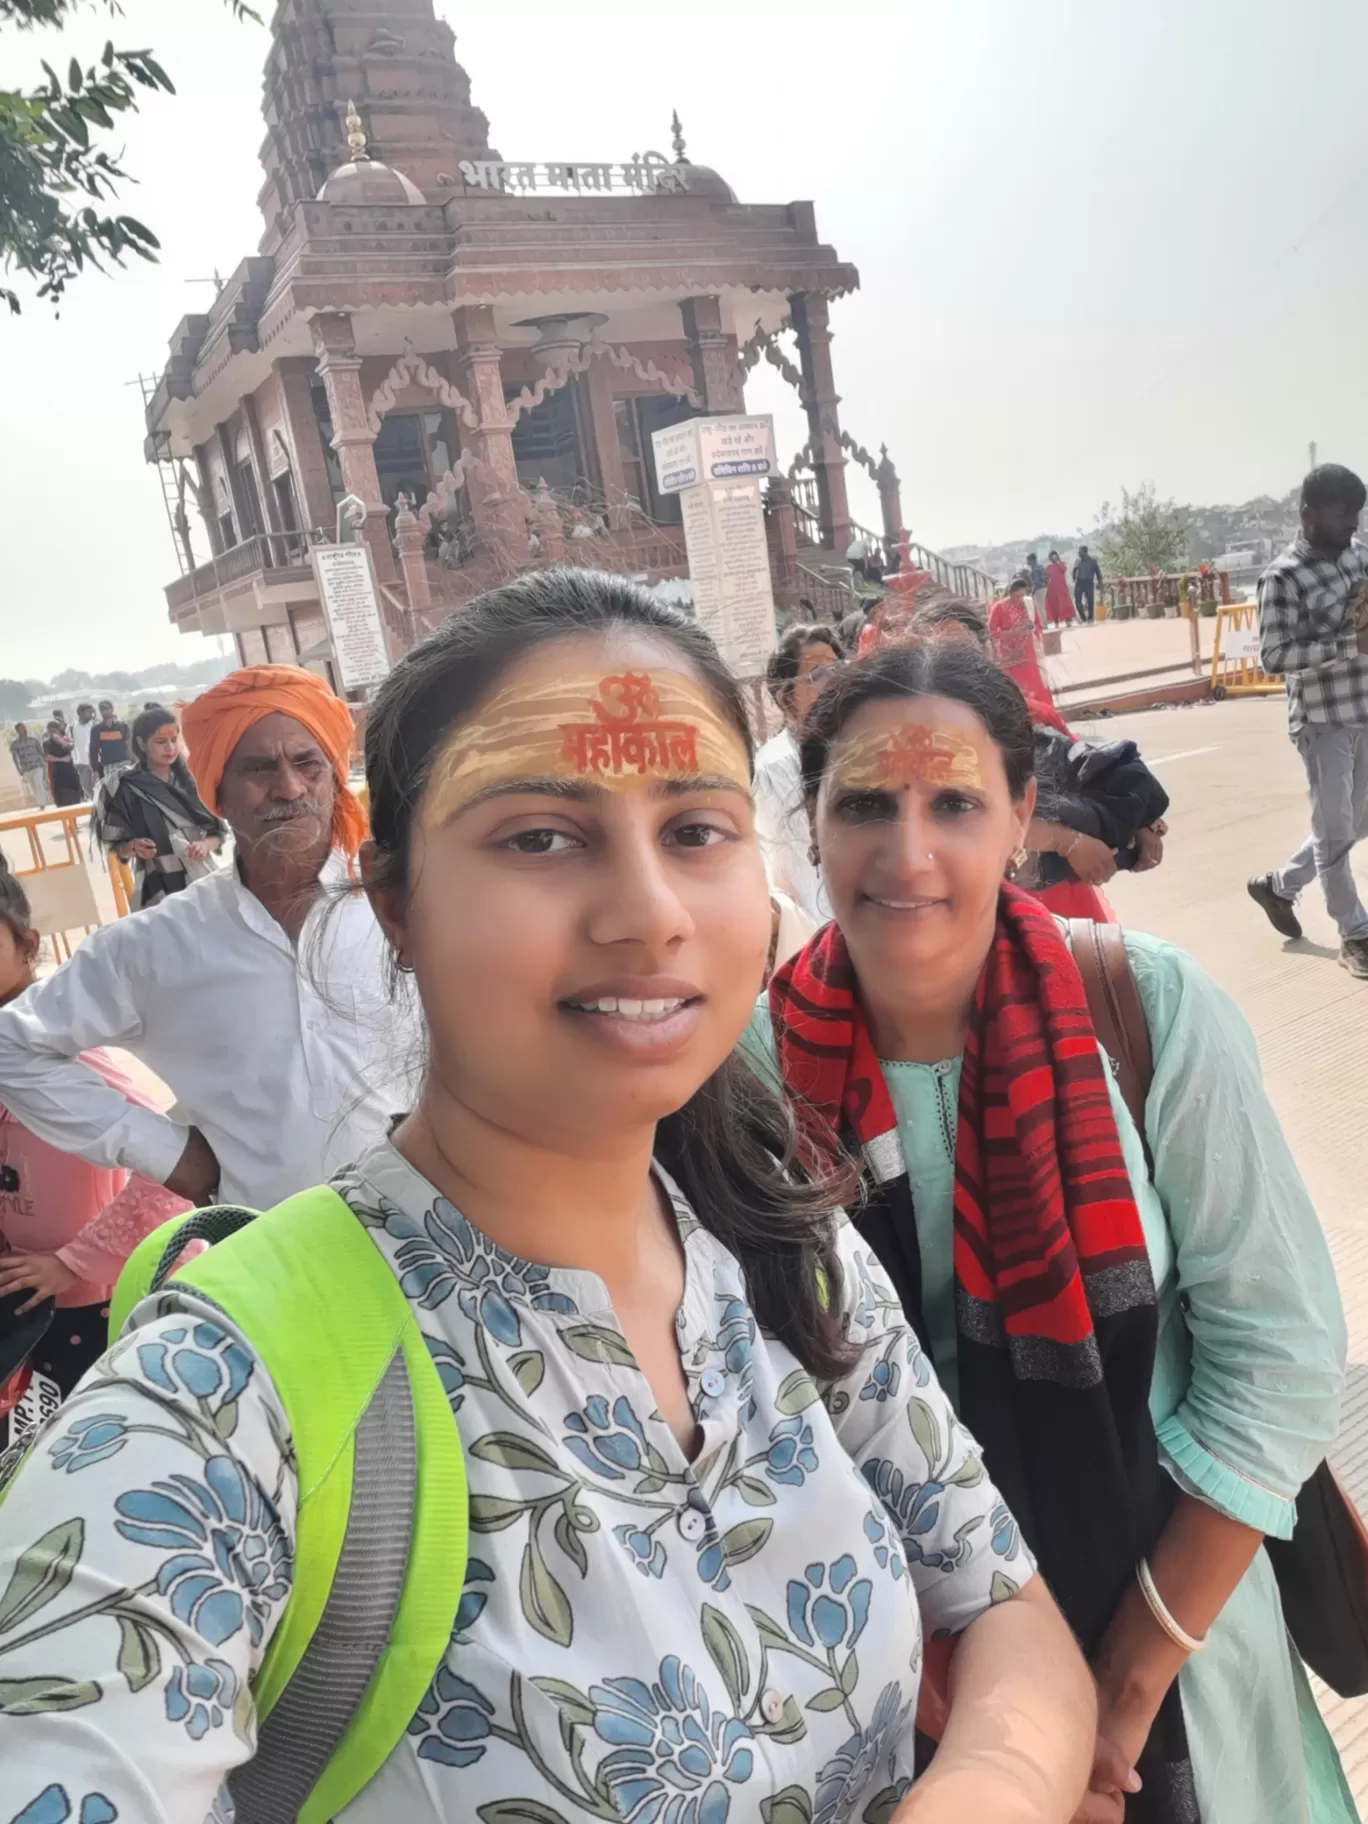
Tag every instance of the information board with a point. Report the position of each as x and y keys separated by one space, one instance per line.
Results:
x=713 y=449
x=351 y=607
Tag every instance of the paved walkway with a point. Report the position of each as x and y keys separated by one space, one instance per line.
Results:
x=1239 y=807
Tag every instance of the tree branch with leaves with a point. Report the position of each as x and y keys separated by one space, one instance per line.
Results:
x=59 y=175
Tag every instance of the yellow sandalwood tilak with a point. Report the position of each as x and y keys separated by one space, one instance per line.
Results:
x=912 y=755
x=625 y=730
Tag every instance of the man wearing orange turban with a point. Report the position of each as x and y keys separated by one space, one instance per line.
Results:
x=216 y=722
x=260 y=995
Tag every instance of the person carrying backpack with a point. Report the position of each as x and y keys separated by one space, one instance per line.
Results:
x=577 y=1304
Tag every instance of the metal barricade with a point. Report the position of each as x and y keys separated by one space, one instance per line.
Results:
x=1235 y=667
x=60 y=891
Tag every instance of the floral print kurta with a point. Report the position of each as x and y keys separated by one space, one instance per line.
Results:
x=641 y=1638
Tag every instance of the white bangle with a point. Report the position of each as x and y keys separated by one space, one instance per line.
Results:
x=1160 y=1611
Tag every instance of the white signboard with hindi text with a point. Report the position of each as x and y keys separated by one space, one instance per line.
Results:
x=1241 y=643
x=724 y=531
x=713 y=449
x=351 y=606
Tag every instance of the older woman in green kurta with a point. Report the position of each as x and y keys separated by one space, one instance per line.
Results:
x=1168 y=1418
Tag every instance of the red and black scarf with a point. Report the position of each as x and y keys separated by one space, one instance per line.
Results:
x=1054 y=1299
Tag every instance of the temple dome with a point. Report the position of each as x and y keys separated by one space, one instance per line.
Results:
x=704 y=181
x=364 y=179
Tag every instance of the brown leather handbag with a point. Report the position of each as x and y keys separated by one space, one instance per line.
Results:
x=1322 y=1570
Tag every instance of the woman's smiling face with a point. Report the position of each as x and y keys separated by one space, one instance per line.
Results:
x=587 y=912
x=915 y=825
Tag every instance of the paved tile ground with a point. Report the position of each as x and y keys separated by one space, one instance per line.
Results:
x=1239 y=807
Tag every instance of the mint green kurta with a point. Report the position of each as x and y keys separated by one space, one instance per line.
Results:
x=1250 y=1357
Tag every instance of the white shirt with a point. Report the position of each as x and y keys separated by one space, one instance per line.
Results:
x=781 y=822
x=291 y=1065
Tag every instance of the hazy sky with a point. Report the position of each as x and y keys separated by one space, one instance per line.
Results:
x=1101 y=241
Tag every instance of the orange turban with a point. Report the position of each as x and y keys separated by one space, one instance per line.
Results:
x=215 y=722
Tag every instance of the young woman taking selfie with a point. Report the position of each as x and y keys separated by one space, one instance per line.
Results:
x=717 y=1497
x=1151 y=1361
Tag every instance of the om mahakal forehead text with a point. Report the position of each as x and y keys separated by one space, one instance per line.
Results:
x=627 y=733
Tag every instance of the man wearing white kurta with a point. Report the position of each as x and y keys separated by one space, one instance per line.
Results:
x=259 y=995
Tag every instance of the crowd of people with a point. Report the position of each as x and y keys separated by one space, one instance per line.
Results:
x=724 y=1342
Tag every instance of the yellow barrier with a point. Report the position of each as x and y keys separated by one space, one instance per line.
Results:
x=1235 y=667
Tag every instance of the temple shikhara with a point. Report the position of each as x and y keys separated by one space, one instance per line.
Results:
x=478 y=348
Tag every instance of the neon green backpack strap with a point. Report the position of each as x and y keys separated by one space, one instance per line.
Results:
x=309 y=1288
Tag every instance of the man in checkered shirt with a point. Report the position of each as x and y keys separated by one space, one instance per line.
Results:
x=1313 y=627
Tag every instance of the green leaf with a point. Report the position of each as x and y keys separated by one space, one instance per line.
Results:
x=926 y=1431
x=727 y=1653
x=244 y=1716
x=791 y=1806
x=491 y=1513
x=519 y=1811
x=226 y=1418
x=649 y=1485
x=1002 y=1589
x=571 y=1544
x=771 y=1634
x=830 y=1699
x=568 y=1699
x=39 y=1696
x=544 y=1602
x=597 y=1343
x=755 y=1492
x=797 y=1391
x=139 y=1654
x=744 y=1541
x=881 y=1807
x=969 y=1474
x=529 y=1370
x=74 y=77
x=514 y=1452
x=850 y=1673
x=42 y=1573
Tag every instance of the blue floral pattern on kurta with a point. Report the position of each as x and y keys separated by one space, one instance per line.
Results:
x=640 y=1638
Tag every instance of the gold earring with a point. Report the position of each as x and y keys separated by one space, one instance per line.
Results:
x=1019 y=860
x=814 y=855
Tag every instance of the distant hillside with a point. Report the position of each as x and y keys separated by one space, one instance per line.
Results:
x=1261 y=526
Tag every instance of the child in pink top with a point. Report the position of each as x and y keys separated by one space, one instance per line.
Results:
x=66 y=1226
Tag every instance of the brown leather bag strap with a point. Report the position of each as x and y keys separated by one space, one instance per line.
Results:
x=1118 y=1014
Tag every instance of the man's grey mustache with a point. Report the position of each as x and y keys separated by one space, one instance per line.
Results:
x=286 y=813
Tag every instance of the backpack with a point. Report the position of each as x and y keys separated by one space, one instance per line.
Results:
x=1322 y=1570
x=382 y=1531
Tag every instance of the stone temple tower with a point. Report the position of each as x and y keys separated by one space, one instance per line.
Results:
x=397 y=62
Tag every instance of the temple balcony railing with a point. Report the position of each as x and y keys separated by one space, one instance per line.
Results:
x=279 y=551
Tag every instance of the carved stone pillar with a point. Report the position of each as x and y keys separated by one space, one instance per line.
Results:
x=599 y=386
x=340 y=368
x=716 y=367
x=268 y=500
x=496 y=505
x=410 y=541
x=810 y=325
x=890 y=499
x=313 y=490
x=781 y=531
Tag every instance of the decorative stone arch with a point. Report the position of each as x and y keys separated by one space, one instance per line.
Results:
x=411 y=369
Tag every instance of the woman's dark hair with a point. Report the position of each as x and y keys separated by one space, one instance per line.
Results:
x=923 y=668
x=952 y=610
x=731 y=1148
x=147 y=725
x=784 y=661
x=14 y=906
